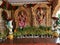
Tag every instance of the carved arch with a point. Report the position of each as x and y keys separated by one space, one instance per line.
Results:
x=27 y=16
x=34 y=13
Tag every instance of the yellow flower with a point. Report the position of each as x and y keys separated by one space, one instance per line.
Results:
x=10 y=36
x=55 y=34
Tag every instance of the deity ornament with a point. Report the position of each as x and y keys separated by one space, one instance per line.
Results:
x=22 y=20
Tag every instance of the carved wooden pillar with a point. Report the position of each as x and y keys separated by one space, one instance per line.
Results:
x=48 y=20
x=35 y=23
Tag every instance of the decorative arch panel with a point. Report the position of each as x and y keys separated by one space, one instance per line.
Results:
x=41 y=14
x=21 y=13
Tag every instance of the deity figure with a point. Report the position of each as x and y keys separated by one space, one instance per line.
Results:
x=22 y=20
x=10 y=26
x=40 y=15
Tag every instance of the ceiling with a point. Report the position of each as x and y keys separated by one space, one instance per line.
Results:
x=18 y=1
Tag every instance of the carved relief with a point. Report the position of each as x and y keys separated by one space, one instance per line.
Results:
x=22 y=16
x=40 y=14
